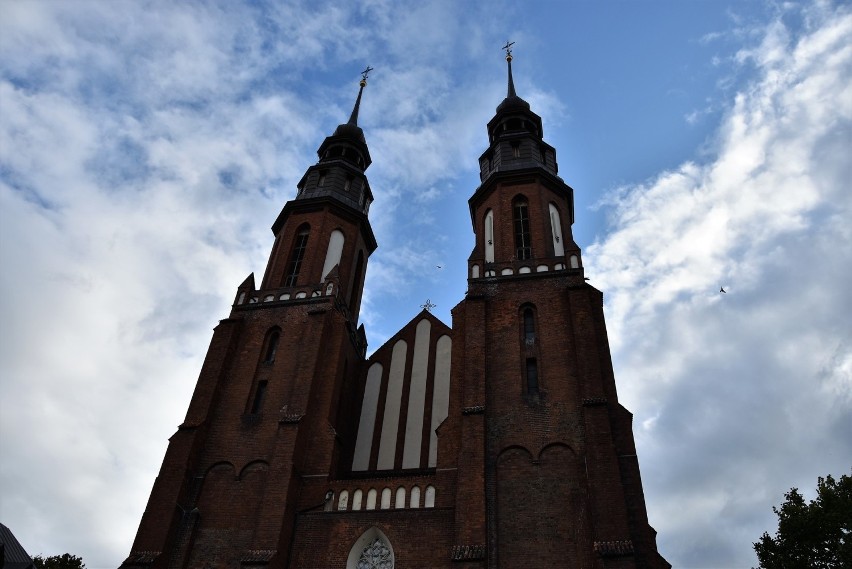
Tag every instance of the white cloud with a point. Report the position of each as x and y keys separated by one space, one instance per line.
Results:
x=738 y=390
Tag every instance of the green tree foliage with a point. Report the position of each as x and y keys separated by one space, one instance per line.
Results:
x=64 y=561
x=817 y=535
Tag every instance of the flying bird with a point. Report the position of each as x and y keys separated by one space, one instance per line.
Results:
x=722 y=289
x=439 y=266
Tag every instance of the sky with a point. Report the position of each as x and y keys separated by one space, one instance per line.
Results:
x=146 y=148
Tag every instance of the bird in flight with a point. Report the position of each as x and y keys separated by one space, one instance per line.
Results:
x=722 y=289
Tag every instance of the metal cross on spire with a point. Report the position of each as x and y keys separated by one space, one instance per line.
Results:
x=428 y=306
x=365 y=73
x=508 y=48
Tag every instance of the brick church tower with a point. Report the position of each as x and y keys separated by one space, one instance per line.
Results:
x=498 y=442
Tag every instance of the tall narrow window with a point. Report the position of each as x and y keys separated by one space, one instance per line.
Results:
x=347 y=185
x=520 y=213
x=489 y=236
x=355 y=289
x=516 y=150
x=259 y=395
x=333 y=253
x=271 y=347
x=556 y=231
x=321 y=181
x=297 y=256
x=529 y=326
x=532 y=376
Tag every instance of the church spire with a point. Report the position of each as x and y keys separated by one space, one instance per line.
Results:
x=353 y=118
x=508 y=48
x=343 y=158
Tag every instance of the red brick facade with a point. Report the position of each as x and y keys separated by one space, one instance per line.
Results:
x=498 y=442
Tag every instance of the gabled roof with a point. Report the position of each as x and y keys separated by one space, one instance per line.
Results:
x=409 y=328
x=12 y=554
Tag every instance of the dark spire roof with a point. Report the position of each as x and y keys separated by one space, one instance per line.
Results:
x=512 y=100
x=351 y=128
x=511 y=91
x=353 y=118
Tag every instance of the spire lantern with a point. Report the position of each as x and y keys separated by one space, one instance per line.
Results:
x=343 y=159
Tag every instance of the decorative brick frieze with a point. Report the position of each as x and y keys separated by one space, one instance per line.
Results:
x=257 y=556
x=594 y=401
x=614 y=548
x=468 y=552
x=475 y=410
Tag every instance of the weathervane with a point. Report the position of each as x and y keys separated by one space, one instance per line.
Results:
x=364 y=75
x=508 y=48
x=428 y=306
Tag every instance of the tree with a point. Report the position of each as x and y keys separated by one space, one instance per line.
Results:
x=64 y=561
x=817 y=535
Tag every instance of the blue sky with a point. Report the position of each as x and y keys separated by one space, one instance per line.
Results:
x=147 y=147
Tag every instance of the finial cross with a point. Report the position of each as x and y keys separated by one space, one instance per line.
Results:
x=428 y=306
x=508 y=47
x=365 y=73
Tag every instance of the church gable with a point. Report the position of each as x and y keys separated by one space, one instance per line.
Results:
x=405 y=398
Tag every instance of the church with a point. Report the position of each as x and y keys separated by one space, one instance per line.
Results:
x=497 y=441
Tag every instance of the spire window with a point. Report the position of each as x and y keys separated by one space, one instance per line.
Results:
x=297 y=256
x=523 y=242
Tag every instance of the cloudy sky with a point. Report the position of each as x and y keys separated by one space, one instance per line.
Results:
x=146 y=148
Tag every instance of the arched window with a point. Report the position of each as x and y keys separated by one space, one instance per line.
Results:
x=489 y=236
x=532 y=375
x=271 y=346
x=556 y=231
x=343 y=501
x=335 y=250
x=371 y=551
x=529 y=326
x=430 y=497
x=298 y=254
x=376 y=555
x=521 y=218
